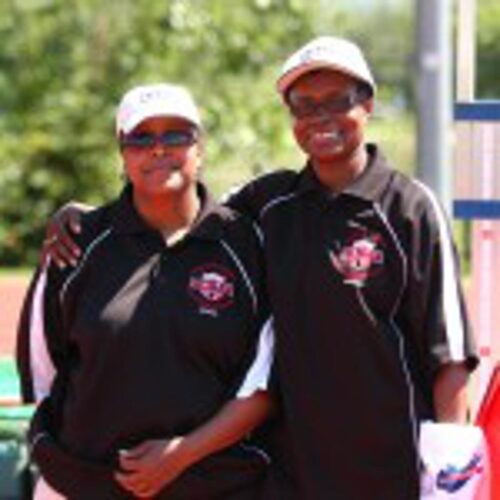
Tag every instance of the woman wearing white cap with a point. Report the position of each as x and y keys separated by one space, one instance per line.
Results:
x=149 y=361
x=372 y=333
x=365 y=292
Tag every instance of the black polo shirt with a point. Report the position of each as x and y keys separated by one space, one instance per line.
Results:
x=144 y=341
x=365 y=293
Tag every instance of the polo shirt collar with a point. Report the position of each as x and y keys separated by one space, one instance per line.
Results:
x=372 y=182
x=208 y=224
x=369 y=186
x=213 y=216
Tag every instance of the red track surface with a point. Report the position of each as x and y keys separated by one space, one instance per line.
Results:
x=12 y=290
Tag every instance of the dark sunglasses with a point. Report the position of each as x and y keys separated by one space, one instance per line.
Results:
x=169 y=139
x=306 y=108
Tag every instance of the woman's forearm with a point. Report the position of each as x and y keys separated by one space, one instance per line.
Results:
x=450 y=393
x=233 y=422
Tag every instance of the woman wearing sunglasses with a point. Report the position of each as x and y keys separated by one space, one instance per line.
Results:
x=149 y=361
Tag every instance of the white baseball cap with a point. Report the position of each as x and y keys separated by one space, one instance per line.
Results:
x=160 y=99
x=326 y=52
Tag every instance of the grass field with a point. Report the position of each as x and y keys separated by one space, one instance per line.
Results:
x=20 y=273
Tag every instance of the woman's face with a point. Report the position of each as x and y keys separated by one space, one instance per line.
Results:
x=162 y=155
x=328 y=117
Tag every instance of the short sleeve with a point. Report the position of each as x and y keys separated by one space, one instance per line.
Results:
x=258 y=375
x=437 y=311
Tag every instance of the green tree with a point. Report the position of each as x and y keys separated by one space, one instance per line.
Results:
x=488 y=49
x=65 y=63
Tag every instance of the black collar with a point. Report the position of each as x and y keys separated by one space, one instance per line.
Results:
x=209 y=223
x=369 y=186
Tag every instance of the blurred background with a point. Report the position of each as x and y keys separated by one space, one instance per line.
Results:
x=64 y=64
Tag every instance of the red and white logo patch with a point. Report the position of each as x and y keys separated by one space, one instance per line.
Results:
x=212 y=287
x=359 y=259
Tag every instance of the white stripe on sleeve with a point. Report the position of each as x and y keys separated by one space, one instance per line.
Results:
x=454 y=327
x=257 y=377
x=42 y=367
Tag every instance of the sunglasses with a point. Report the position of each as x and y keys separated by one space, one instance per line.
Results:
x=169 y=139
x=306 y=108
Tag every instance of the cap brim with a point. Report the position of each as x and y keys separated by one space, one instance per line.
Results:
x=286 y=80
x=136 y=120
x=156 y=111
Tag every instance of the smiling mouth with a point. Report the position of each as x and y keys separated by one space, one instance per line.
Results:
x=326 y=138
x=331 y=135
x=170 y=167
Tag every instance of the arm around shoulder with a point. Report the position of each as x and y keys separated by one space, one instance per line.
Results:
x=61 y=229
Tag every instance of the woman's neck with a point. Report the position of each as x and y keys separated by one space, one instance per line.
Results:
x=169 y=213
x=337 y=175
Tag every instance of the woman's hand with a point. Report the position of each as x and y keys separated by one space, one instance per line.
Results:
x=147 y=468
x=152 y=465
x=59 y=244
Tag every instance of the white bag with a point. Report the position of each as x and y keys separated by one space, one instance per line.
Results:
x=455 y=461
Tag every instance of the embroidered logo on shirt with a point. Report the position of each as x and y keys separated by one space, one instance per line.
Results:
x=212 y=287
x=453 y=478
x=360 y=258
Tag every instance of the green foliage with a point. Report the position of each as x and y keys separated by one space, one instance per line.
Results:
x=488 y=50
x=396 y=136
x=65 y=63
